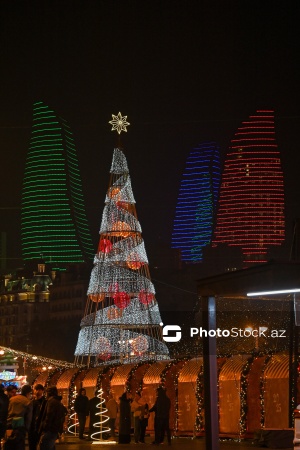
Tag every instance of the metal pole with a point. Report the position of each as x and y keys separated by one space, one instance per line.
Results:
x=210 y=374
x=293 y=358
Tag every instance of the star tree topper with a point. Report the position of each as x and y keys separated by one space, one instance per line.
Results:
x=119 y=123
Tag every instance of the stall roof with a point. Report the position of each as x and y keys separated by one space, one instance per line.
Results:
x=236 y=284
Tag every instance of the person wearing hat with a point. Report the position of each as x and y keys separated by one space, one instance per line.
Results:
x=35 y=405
x=51 y=419
x=3 y=411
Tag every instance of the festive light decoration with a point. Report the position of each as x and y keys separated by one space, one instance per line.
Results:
x=103 y=418
x=38 y=361
x=251 y=205
x=126 y=326
x=133 y=261
x=119 y=123
x=73 y=419
x=197 y=201
x=53 y=217
x=97 y=298
x=146 y=297
x=139 y=345
x=113 y=192
x=199 y=422
x=114 y=313
x=105 y=246
x=103 y=346
x=243 y=395
x=121 y=229
x=262 y=391
x=121 y=299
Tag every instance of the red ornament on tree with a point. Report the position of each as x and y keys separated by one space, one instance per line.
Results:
x=122 y=205
x=104 y=356
x=105 y=246
x=121 y=299
x=146 y=297
x=134 y=265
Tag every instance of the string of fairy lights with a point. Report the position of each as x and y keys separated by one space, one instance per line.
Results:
x=37 y=360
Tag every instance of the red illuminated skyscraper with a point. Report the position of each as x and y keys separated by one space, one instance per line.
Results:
x=251 y=202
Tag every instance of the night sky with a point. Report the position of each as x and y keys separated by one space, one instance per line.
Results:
x=183 y=73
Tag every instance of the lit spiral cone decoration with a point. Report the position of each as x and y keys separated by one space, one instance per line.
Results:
x=73 y=427
x=101 y=426
x=122 y=318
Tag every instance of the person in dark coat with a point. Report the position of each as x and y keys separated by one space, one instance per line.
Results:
x=51 y=419
x=162 y=415
x=81 y=407
x=35 y=405
x=144 y=422
x=125 y=419
x=93 y=402
x=3 y=411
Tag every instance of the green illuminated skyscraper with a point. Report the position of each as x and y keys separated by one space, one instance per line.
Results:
x=53 y=218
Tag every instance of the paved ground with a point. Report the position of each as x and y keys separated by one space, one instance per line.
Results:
x=72 y=443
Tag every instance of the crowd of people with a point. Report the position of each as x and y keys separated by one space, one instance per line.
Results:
x=141 y=412
x=38 y=413
x=41 y=414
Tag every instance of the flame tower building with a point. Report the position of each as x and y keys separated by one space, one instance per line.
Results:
x=53 y=219
x=251 y=203
x=197 y=202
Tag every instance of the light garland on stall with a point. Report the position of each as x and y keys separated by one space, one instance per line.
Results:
x=131 y=376
x=262 y=391
x=243 y=395
x=163 y=378
x=199 y=422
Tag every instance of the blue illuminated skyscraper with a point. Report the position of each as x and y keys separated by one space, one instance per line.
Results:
x=197 y=201
x=53 y=217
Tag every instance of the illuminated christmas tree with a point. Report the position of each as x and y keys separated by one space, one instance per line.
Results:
x=122 y=320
